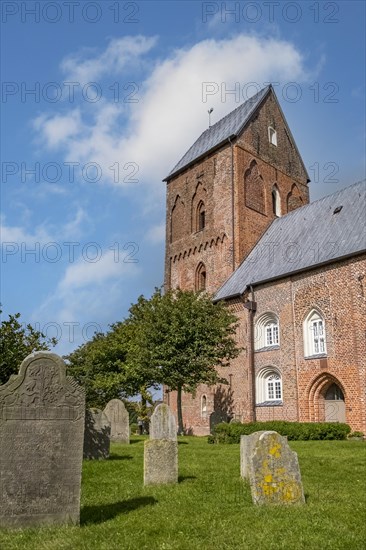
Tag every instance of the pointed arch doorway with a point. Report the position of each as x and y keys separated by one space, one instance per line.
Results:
x=334 y=404
x=327 y=399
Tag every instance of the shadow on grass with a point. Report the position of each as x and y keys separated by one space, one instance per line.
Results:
x=182 y=442
x=99 y=514
x=119 y=457
x=181 y=479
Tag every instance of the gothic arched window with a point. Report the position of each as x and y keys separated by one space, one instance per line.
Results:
x=200 y=216
x=314 y=335
x=276 y=201
x=201 y=279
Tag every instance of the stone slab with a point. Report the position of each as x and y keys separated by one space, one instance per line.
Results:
x=41 y=434
x=119 y=419
x=247 y=443
x=162 y=424
x=274 y=472
x=160 y=462
x=97 y=435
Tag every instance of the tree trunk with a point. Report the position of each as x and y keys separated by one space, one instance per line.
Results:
x=179 y=411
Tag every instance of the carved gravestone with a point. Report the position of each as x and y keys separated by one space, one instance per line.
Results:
x=97 y=435
x=161 y=450
x=119 y=418
x=41 y=444
x=273 y=470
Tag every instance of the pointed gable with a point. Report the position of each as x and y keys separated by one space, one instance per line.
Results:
x=230 y=126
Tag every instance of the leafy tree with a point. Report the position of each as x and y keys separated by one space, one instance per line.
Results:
x=100 y=367
x=179 y=339
x=18 y=340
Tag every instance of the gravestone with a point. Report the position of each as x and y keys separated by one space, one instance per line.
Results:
x=273 y=470
x=97 y=435
x=162 y=424
x=161 y=450
x=41 y=449
x=119 y=418
x=246 y=449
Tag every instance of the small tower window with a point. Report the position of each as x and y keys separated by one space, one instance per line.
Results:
x=201 y=216
x=272 y=135
x=201 y=277
x=276 y=201
x=204 y=405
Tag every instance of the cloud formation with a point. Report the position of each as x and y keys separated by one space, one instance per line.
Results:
x=172 y=112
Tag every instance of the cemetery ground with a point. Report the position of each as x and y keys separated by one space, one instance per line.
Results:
x=211 y=506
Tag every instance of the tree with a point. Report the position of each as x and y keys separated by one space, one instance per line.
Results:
x=179 y=339
x=17 y=341
x=100 y=367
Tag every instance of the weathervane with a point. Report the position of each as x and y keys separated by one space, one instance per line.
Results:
x=209 y=117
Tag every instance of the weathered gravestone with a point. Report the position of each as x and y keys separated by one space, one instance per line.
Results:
x=97 y=435
x=119 y=418
x=41 y=449
x=272 y=469
x=161 y=451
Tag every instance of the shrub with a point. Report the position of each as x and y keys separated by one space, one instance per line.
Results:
x=357 y=435
x=301 y=431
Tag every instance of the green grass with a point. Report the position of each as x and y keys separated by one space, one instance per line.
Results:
x=210 y=508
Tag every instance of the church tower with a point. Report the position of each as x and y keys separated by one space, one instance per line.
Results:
x=238 y=176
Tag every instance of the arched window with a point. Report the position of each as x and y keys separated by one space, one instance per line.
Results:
x=204 y=405
x=201 y=277
x=201 y=216
x=276 y=201
x=267 y=332
x=314 y=335
x=272 y=135
x=177 y=220
x=294 y=199
x=269 y=386
x=334 y=393
x=254 y=188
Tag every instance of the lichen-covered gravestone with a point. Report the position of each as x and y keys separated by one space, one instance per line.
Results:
x=272 y=468
x=161 y=450
x=41 y=449
x=119 y=418
x=97 y=435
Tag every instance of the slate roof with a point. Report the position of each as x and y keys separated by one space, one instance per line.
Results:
x=228 y=127
x=303 y=239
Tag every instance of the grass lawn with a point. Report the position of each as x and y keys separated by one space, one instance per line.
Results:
x=210 y=508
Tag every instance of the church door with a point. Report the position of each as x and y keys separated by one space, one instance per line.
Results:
x=335 y=407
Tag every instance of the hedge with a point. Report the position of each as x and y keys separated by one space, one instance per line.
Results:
x=301 y=431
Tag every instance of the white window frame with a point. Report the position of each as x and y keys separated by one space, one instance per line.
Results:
x=269 y=385
x=314 y=335
x=272 y=136
x=267 y=331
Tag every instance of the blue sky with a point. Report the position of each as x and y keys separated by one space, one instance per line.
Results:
x=120 y=91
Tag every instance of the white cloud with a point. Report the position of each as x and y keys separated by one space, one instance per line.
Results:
x=43 y=233
x=57 y=129
x=156 y=233
x=119 y=53
x=86 y=272
x=171 y=113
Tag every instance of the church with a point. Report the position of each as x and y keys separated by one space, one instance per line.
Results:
x=239 y=225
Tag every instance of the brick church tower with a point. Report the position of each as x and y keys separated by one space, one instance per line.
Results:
x=240 y=174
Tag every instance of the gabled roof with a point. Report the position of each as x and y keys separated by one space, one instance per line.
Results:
x=228 y=127
x=315 y=234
